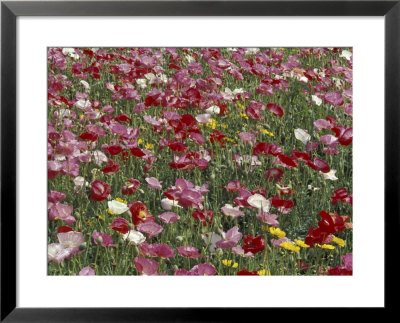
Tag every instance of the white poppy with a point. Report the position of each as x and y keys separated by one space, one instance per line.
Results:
x=302 y=135
x=330 y=175
x=85 y=84
x=70 y=52
x=134 y=237
x=167 y=204
x=117 y=207
x=142 y=83
x=189 y=58
x=213 y=109
x=260 y=202
x=238 y=91
x=252 y=51
x=316 y=99
x=346 y=54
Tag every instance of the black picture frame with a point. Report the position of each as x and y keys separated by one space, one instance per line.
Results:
x=10 y=10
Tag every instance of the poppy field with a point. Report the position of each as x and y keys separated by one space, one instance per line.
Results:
x=200 y=161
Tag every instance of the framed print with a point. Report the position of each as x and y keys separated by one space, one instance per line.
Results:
x=224 y=150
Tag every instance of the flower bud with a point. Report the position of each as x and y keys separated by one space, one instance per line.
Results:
x=82 y=246
x=179 y=238
x=99 y=239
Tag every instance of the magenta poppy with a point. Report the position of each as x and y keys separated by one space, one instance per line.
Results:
x=103 y=239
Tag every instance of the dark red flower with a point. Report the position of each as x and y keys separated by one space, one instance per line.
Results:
x=339 y=271
x=330 y=222
x=137 y=152
x=205 y=216
x=265 y=148
x=64 y=228
x=217 y=136
x=315 y=235
x=300 y=155
x=130 y=186
x=275 y=109
x=139 y=212
x=287 y=160
x=122 y=118
x=319 y=165
x=253 y=244
x=111 y=167
x=341 y=195
x=245 y=272
x=120 y=225
x=178 y=147
x=100 y=191
x=112 y=150
x=276 y=201
x=89 y=136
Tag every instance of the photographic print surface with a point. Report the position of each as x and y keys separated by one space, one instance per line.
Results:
x=200 y=161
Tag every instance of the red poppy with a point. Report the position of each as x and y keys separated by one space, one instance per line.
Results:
x=339 y=271
x=89 y=136
x=287 y=160
x=122 y=118
x=315 y=235
x=253 y=244
x=330 y=222
x=139 y=212
x=265 y=148
x=120 y=225
x=130 y=186
x=178 y=147
x=100 y=191
x=217 y=136
x=245 y=272
x=276 y=201
x=319 y=165
x=300 y=155
x=205 y=216
x=275 y=109
x=189 y=120
x=63 y=229
x=111 y=167
x=341 y=195
x=137 y=152
x=112 y=150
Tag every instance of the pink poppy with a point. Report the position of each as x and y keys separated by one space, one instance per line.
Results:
x=229 y=210
x=151 y=228
x=103 y=239
x=169 y=217
x=87 y=271
x=247 y=137
x=153 y=183
x=156 y=250
x=230 y=238
x=334 y=98
x=188 y=251
x=270 y=219
x=203 y=270
x=233 y=186
x=146 y=267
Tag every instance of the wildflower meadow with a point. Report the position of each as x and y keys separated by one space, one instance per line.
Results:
x=200 y=161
